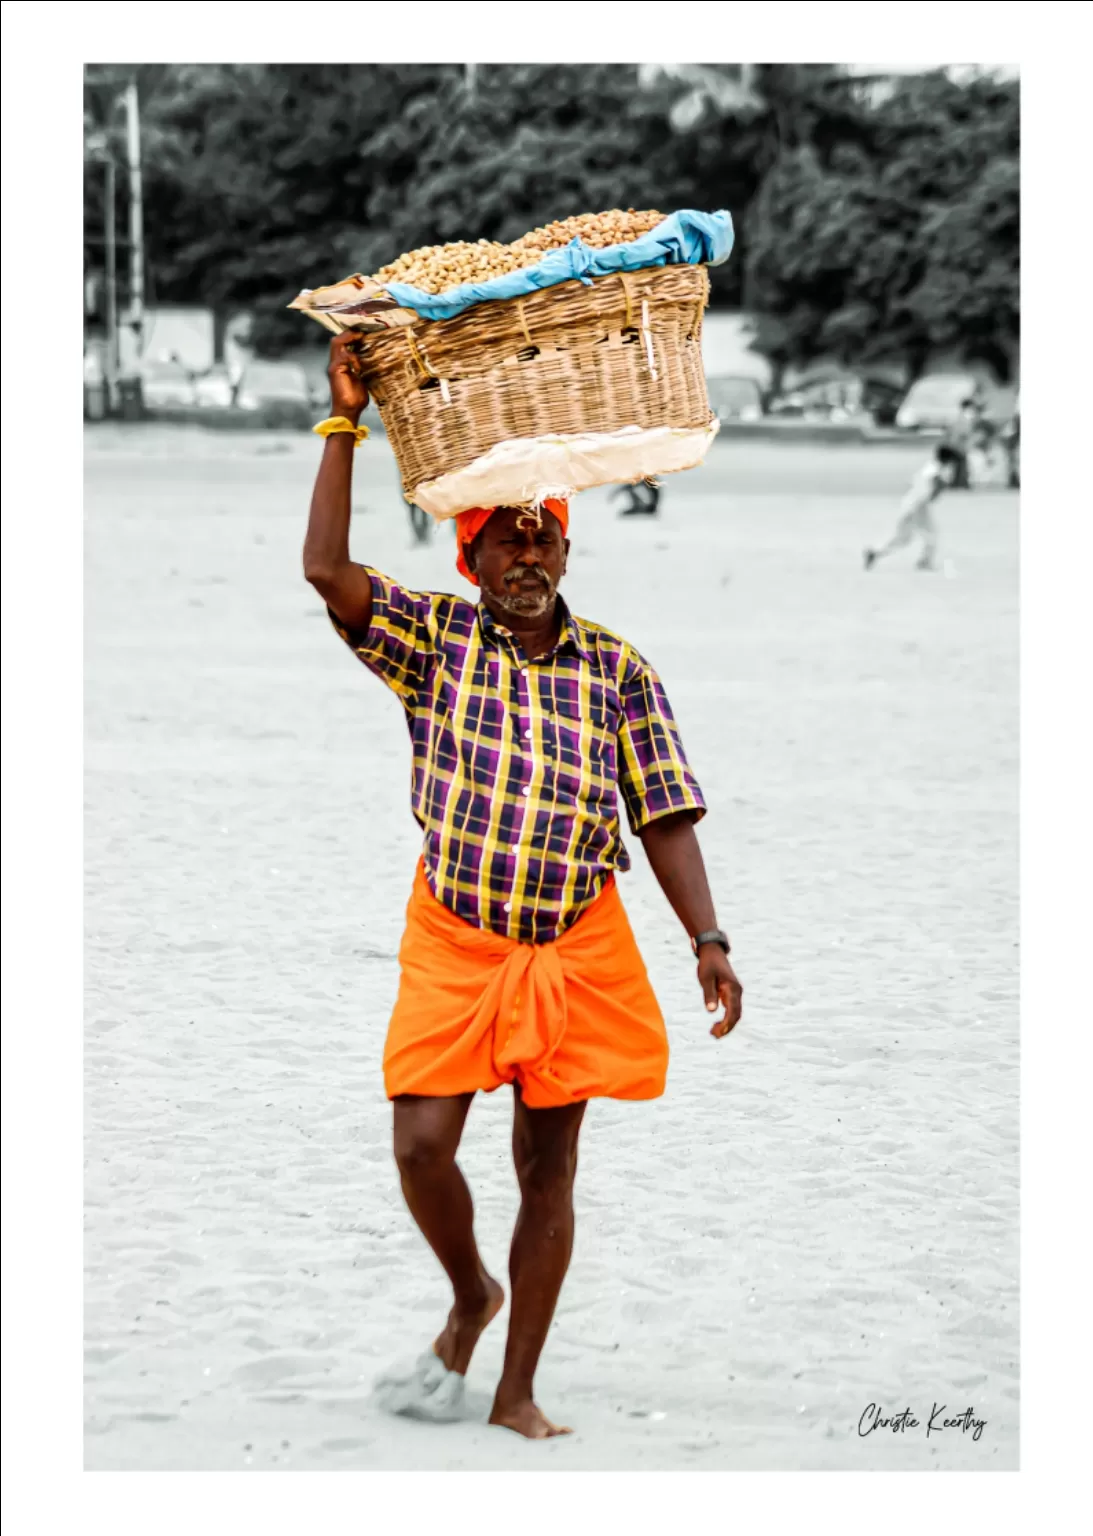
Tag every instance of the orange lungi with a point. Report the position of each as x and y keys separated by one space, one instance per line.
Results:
x=571 y=1020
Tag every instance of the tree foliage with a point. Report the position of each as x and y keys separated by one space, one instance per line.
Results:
x=902 y=237
x=864 y=226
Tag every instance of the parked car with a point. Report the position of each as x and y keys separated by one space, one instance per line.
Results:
x=933 y=402
x=735 y=399
x=214 y=390
x=833 y=393
x=1001 y=404
x=824 y=394
x=789 y=402
x=881 y=399
x=166 y=384
x=279 y=391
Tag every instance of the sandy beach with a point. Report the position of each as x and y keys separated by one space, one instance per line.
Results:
x=820 y=1214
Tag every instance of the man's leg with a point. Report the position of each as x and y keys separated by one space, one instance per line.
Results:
x=928 y=531
x=544 y=1149
x=427 y=1133
x=900 y=539
x=420 y=523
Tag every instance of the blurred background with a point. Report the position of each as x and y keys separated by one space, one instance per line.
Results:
x=874 y=285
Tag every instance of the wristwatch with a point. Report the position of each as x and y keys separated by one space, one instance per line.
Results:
x=711 y=936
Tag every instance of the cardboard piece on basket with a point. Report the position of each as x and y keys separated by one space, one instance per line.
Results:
x=356 y=303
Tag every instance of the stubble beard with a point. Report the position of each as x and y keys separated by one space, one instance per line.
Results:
x=526 y=605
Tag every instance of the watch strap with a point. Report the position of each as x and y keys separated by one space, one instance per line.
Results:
x=710 y=936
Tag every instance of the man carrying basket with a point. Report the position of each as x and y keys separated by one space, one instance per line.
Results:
x=518 y=964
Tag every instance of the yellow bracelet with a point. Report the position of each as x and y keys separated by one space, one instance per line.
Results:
x=340 y=424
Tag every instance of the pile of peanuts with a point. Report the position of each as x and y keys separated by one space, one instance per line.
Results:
x=595 y=229
x=436 y=268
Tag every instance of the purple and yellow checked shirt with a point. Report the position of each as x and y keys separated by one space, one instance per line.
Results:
x=517 y=763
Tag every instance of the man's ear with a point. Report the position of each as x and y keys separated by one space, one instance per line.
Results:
x=565 y=545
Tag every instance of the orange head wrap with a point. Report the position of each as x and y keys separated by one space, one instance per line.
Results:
x=469 y=524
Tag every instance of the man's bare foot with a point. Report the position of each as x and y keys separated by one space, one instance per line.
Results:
x=455 y=1345
x=527 y=1420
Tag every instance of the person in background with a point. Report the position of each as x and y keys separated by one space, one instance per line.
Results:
x=1011 y=442
x=421 y=524
x=96 y=399
x=530 y=728
x=916 y=510
x=643 y=499
x=968 y=436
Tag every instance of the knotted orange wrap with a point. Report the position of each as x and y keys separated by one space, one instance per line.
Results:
x=469 y=524
x=572 y=1020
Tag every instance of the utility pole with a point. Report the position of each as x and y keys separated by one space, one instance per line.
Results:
x=136 y=214
x=110 y=236
x=99 y=152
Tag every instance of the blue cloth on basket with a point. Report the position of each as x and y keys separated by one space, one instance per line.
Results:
x=687 y=237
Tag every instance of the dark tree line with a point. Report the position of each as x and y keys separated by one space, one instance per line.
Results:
x=869 y=225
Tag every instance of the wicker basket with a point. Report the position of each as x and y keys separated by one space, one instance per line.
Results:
x=576 y=360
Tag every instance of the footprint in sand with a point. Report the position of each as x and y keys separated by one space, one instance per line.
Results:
x=277 y=1368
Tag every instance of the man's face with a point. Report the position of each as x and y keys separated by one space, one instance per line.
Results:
x=519 y=565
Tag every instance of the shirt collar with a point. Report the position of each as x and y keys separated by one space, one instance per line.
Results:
x=571 y=636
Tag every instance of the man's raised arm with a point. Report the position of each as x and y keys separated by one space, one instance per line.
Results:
x=345 y=587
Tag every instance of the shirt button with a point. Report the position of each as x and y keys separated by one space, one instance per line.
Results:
x=526 y=789
x=508 y=906
x=527 y=735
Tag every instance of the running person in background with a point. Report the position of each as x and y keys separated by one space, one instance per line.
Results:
x=916 y=514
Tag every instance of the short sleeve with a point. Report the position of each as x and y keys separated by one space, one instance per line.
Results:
x=398 y=646
x=655 y=778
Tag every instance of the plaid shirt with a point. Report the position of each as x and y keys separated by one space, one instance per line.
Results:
x=516 y=763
